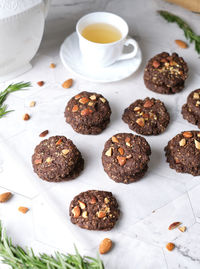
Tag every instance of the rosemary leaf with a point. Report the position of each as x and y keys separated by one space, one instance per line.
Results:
x=188 y=32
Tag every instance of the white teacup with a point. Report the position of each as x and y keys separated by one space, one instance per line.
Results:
x=104 y=54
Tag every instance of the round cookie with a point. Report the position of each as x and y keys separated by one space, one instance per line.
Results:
x=191 y=110
x=147 y=117
x=165 y=73
x=94 y=210
x=57 y=159
x=183 y=152
x=125 y=157
x=88 y=113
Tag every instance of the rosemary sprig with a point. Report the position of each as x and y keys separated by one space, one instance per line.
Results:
x=188 y=32
x=18 y=258
x=4 y=94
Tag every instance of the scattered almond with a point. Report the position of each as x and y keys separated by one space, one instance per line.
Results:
x=170 y=246
x=121 y=160
x=109 y=152
x=82 y=205
x=182 y=142
x=65 y=151
x=75 y=108
x=86 y=112
x=90 y=104
x=140 y=122
x=197 y=144
x=40 y=83
x=156 y=64
x=181 y=44
x=77 y=96
x=44 y=133
x=23 y=209
x=4 y=197
x=85 y=214
x=114 y=139
x=148 y=103
x=137 y=108
x=76 y=211
x=52 y=65
x=182 y=229
x=174 y=225
x=32 y=103
x=59 y=141
x=101 y=214
x=67 y=83
x=121 y=151
x=26 y=117
x=93 y=97
x=187 y=134
x=105 y=246
x=103 y=100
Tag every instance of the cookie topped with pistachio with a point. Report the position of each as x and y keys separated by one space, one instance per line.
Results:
x=125 y=157
x=191 y=110
x=165 y=73
x=183 y=152
x=88 y=113
x=94 y=210
x=57 y=159
x=147 y=117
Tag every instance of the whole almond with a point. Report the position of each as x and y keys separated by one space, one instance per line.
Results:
x=26 y=117
x=121 y=160
x=52 y=65
x=40 y=83
x=121 y=151
x=105 y=246
x=4 y=197
x=148 y=103
x=174 y=225
x=181 y=44
x=170 y=246
x=114 y=139
x=76 y=211
x=23 y=209
x=44 y=133
x=67 y=83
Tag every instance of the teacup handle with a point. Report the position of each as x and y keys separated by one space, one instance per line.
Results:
x=131 y=54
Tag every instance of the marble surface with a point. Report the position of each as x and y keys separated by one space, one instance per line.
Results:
x=155 y=202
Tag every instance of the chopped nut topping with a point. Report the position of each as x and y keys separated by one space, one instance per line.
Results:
x=59 y=141
x=156 y=64
x=49 y=160
x=103 y=100
x=38 y=161
x=140 y=122
x=174 y=225
x=170 y=246
x=129 y=156
x=86 y=112
x=197 y=144
x=77 y=96
x=85 y=214
x=90 y=104
x=121 y=151
x=32 y=103
x=93 y=200
x=82 y=205
x=84 y=100
x=137 y=108
x=109 y=152
x=121 y=160
x=187 y=134
x=182 y=142
x=182 y=229
x=196 y=95
x=148 y=103
x=101 y=214
x=93 y=97
x=106 y=200
x=65 y=151
x=75 y=108
x=114 y=139
x=76 y=211
x=26 y=117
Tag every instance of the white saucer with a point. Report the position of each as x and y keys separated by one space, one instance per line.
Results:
x=71 y=58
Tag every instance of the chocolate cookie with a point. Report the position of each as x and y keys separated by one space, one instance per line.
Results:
x=94 y=210
x=191 y=110
x=183 y=152
x=57 y=159
x=125 y=157
x=147 y=117
x=165 y=74
x=88 y=113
